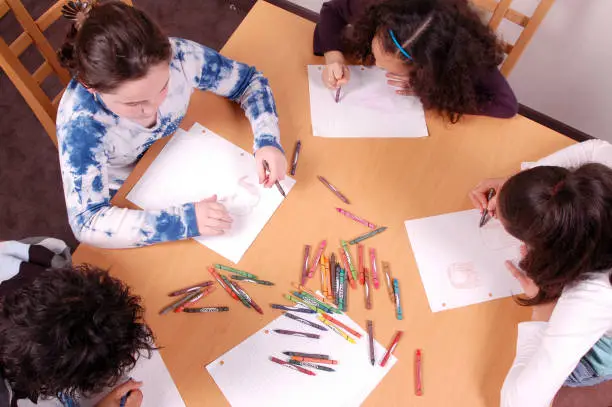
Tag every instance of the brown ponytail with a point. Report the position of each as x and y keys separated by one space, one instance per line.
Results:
x=565 y=219
x=115 y=43
x=67 y=53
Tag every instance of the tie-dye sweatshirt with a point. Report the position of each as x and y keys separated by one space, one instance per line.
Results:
x=99 y=149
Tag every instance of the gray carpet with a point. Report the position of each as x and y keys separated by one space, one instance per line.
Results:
x=31 y=196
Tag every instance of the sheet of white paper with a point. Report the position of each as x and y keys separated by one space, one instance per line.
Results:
x=158 y=389
x=368 y=107
x=460 y=263
x=248 y=378
x=198 y=164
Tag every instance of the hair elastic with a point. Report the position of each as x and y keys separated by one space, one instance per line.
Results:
x=78 y=11
x=557 y=187
x=397 y=44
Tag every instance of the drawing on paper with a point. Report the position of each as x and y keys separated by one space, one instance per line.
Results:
x=463 y=275
x=370 y=108
x=244 y=199
x=495 y=237
x=376 y=102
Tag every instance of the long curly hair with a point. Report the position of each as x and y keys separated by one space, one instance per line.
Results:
x=564 y=217
x=75 y=330
x=451 y=50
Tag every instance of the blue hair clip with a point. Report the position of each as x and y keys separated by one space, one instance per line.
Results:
x=399 y=47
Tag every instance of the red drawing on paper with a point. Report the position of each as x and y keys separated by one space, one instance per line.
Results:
x=463 y=275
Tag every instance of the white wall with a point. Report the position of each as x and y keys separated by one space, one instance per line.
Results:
x=312 y=5
x=565 y=70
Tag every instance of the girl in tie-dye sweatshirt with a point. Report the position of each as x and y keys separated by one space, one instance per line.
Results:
x=131 y=87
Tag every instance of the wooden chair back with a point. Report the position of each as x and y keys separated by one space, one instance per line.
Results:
x=29 y=84
x=501 y=10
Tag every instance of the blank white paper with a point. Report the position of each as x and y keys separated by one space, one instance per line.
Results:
x=248 y=378
x=461 y=264
x=198 y=164
x=368 y=107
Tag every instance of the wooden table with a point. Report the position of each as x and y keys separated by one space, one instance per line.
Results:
x=466 y=351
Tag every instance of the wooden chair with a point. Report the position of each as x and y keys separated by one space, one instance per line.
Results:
x=28 y=84
x=501 y=10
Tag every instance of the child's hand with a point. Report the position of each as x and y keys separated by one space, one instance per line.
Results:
x=113 y=399
x=335 y=73
x=277 y=162
x=540 y=312
x=529 y=287
x=212 y=217
x=478 y=195
x=402 y=82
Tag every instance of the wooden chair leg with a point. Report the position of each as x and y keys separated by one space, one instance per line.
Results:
x=35 y=97
x=537 y=17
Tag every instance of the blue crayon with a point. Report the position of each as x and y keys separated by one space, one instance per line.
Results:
x=398 y=304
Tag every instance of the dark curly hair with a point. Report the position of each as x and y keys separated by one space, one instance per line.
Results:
x=564 y=217
x=451 y=50
x=116 y=43
x=73 y=330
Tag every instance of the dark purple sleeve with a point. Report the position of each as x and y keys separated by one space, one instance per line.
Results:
x=335 y=16
x=503 y=103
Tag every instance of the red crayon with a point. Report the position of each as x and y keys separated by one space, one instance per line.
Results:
x=221 y=283
x=418 y=383
x=341 y=325
x=394 y=342
x=345 y=262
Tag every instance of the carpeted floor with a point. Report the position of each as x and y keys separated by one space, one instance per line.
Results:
x=31 y=197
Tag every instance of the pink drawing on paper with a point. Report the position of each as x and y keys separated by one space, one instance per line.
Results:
x=244 y=199
x=463 y=275
x=495 y=237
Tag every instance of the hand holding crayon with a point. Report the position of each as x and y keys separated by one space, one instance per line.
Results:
x=277 y=165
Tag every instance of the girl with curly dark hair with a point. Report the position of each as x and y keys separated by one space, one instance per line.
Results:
x=68 y=332
x=561 y=209
x=438 y=50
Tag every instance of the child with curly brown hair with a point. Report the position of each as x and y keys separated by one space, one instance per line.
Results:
x=67 y=333
x=438 y=50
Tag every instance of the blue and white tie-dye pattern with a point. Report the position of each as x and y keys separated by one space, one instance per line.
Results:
x=99 y=149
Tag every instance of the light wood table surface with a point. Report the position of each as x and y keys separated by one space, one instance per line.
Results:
x=467 y=351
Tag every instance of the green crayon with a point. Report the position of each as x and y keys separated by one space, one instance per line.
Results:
x=252 y=280
x=349 y=260
x=235 y=271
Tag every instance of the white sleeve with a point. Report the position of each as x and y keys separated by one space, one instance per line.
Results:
x=547 y=353
x=592 y=151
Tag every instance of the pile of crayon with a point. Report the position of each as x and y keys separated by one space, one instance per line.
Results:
x=337 y=273
x=196 y=292
x=302 y=361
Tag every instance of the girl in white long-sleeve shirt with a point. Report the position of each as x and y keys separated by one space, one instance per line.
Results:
x=561 y=208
